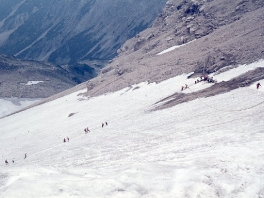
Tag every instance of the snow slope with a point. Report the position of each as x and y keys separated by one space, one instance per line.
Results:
x=208 y=147
x=10 y=105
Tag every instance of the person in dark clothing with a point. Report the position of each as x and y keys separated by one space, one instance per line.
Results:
x=106 y=123
x=68 y=139
x=25 y=156
x=86 y=130
x=102 y=125
x=6 y=162
x=258 y=85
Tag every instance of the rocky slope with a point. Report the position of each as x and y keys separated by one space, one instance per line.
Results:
x=32 y=79
x=211 y=35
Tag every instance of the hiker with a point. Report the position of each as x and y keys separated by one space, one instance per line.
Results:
x=64 y=140
x=182 y=88
x=186 y=86
x=13 y=161
x=6 y=162
x=68 y=139
x=258 y=85
x=25 y=156
x=106 y=123
x=102 y=125
x=86 y=130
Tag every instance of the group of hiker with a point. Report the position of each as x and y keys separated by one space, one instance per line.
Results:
x=205 y=78
x=202 y=78
x=184 y=87
x=86 y=130
x=104 y=124
x=66 y=139
x=209 y=80
x=13 y=160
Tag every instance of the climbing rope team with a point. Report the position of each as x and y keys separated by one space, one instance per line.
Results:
x=67 y=139
x=209 y=80
x=202 y=78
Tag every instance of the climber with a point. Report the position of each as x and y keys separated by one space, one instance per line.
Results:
x=25 y=156
x=86 y=130
x=182 y=88
x=258 y=85
x=6 y=162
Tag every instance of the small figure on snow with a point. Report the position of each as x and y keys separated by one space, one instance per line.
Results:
x=258 y=85
x=68 y=139
x=25 y=156
x=106 y=123
x=86 y=130
x=182 y=88
x=102 y=125
x=6 y=162
x=64 y=140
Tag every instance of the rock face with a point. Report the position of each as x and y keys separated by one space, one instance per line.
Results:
x=207 y=35
x=70 y=31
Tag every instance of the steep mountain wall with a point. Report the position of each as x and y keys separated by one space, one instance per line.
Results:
x=70 y=31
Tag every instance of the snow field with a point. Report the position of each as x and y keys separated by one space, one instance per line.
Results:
x=189 y=150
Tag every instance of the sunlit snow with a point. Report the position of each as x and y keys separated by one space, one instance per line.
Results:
x=173 y=48
x=190 y=150
x=10 y=105
x=33 y=82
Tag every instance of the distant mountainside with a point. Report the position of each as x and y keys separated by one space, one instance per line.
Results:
x=81 y=36
x=32 y=79
x=190 y=36
x=70 y=31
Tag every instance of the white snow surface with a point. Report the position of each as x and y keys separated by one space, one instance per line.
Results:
x=11 y=105
x=208 y=147
x=173 y=48
x=33 y=82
